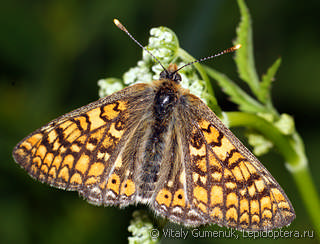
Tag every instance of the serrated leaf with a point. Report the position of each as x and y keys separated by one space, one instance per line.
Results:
x=244 y=56
x=237 y=95
x=267 y=79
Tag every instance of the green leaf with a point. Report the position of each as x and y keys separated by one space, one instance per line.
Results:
x=237 y=95
x=244 y=56
x=267 y=79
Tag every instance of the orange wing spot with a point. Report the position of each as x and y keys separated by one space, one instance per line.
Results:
x=107 y=142
x=94 y=118
x=260 y=185
x=277 y=195
x=91 y=180
x=227 y=174
x=62 y=149
x=245 y=218
x=70 y=129
x=83 y=122
x=27 y=145
x=231 y=185
x=254 y=207
x=41 y=152
x=284 y=205
x=65 y=124
x=90 y=146
x=122 y=105
x=252 y=190
x=109 y=113
x=98 y=135
x=53 y=172
x=37 y=162
x=255 y=219
x=56 y=145
x=235 y=157
x=102 y=185
x=213 y=135
x=232 y=199
x=164 y=197
x=82 y=139
x=64 y=174
x=251 y=169
x=33 y=150
x=114 y=183
x=223 y=151
x=179 y=198
x=83 y=163
x=200 y=152
x=103 y=156
x=243 y=191
x=202 y=164
x=267 y=214
x=213 y=161
x=232 y=214
x=76 y=179
x=216 y=176
x=96 y=169
x=244 y=171
x=75 y=134
x=265 y=203
x=48 y=159
x=237 y=173
x=52 y=136
x=200 y=194
x=216 y=213
x=75 y=148
x=216 y=195
x=202 y=207
x=114 y=132
x=68 y=160
x=244 y=206
x=56 y=161
x=44 y=169
x=33 y=140
x=128 y=188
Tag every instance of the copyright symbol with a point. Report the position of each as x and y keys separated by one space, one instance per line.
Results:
x=154 y=233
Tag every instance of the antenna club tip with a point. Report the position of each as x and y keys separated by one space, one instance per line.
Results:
x=237 y=46
x=116 y=22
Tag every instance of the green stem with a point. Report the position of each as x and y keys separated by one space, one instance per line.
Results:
x=309 y=195
x=292 y=150
x=213 y=103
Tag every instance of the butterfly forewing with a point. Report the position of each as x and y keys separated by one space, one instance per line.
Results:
x=82 y=149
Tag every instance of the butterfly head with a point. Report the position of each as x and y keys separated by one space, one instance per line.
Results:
x=171 y=73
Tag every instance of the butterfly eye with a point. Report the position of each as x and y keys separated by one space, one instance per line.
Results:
x=176 y=77
x=164 y=74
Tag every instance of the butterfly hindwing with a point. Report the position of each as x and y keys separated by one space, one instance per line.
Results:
x=233 y=187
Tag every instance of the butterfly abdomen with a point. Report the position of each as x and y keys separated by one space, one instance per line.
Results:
x=166 y=97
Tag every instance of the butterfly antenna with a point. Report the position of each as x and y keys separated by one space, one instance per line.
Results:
x=121 y=27
x=229 y=50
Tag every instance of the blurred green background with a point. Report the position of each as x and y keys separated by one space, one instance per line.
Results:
x=52 y=53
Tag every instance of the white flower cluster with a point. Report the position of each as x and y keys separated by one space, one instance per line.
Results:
x=141 y=227
x=164 y=45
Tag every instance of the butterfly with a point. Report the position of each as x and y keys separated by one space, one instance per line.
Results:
x=159 y=145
